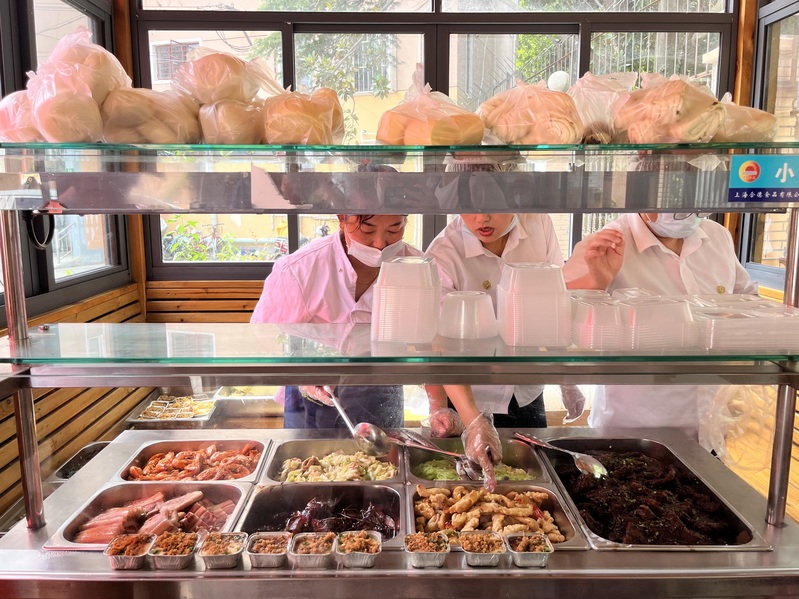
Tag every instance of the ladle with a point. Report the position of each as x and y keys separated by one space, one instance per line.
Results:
x=369 y=438
x=585 y=463
x=466 y=468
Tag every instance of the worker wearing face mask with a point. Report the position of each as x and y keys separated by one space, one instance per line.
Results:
x=667 y=254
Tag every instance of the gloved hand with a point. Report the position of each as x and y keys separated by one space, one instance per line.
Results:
x=445 y=423
x=574 y=402
x=481 y=444
x=316 y=395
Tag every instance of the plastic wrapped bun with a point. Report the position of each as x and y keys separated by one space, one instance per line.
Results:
x=231 y=122
x=62 y=106
x=217 y=76
x=669 y=111
x=428 y=118
x=595 y=96
x=532 y=114
x=745 y=124
x=96 y=66
x=148 y=116
x=298 y=118
x=16 y=119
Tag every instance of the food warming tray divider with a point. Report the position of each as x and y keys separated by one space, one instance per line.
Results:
x=661 y=452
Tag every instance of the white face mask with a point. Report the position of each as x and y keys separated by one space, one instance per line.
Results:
x=511 y=225
x=372 y=256
x=668 y=226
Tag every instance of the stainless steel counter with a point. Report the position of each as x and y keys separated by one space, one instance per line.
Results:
x=26 y=570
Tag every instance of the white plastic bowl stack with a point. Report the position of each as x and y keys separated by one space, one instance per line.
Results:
x=533 y=307
x=406 y=302
x=657 y=323
x=468 y=315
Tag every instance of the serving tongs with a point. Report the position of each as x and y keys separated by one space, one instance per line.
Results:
x=467 y=469
x=585 y=463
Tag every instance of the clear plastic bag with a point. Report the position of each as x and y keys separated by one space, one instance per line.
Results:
x=16 y=119
x=298 y=118
x=231 y=122
x=595 y=96
x=428 y=118
x=745 y=124
x=738 y=425
x=212 y=76
x=148 y=116
x=532 y=114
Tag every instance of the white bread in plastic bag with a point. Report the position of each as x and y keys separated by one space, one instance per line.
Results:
x=16 y=119
x=148 y=116
x=217 y=76
x=595 y=96
x=231 y=122
x=532 y=114
x=428 y=118
x=297 y=118
x=745 y=124
x=669 y=111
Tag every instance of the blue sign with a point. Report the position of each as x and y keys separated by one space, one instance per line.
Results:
x=764 y=179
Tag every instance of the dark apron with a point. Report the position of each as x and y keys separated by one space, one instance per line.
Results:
x=381 y=405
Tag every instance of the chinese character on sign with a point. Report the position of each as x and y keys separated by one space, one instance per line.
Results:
x=784 y=172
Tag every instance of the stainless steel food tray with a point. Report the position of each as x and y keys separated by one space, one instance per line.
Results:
x=247 y=392
x=117 y=494
x=664 y=454
x=320 y=447
x=514 y=453
x=555 y=505
x=270 y=506
x=148 y=450
x=136 y=418
x=76 y=462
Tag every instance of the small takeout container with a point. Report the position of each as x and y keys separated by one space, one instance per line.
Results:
x=428 y=559
x=357 y=559
x=310 y=560
x=135 y=553
x=268 y=560
x=163 y=561
x=235 y=543
x=529 y=559
x=474 y=558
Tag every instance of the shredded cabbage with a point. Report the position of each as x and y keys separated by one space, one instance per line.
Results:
x=445 y=470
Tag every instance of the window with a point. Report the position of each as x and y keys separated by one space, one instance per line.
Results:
x=567 y=6
x=294 y=5
x=169 y=56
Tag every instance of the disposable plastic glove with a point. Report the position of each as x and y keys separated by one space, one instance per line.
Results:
x=316 y=395
x=574 y=402
x=481 y=444
x=445 y=423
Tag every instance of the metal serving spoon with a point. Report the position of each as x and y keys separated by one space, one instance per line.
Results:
x=369 y=438
x=585 y=463
x=466 y=468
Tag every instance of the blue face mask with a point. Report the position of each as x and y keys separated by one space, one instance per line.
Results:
x=677 y=228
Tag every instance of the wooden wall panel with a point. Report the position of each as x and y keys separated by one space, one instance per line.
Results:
x=201 y=301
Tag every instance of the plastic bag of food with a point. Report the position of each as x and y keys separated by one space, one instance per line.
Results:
x=745 y=124
x=595 y=96
x=213 y=76
x=231 y=122
x=739 y=425
x=428 y=118
x=669 y=111
x=297 y=118
x=532 y=114
x=100 y=70
x=148 y=116
x=16 y=119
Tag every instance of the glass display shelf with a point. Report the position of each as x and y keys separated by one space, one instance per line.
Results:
x=126 y=179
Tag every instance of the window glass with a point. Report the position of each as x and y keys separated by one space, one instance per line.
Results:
x=295 y=5
x=83 y=244
x=370 y=72
x=314 y=226
x=53 y=20
x=693 y=54
x=693 y=6
x=482 y=65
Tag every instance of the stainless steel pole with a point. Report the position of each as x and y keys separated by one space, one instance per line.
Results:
x=24 y=414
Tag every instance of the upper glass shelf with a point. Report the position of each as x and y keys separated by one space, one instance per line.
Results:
x=248 y=344
x=125 y=179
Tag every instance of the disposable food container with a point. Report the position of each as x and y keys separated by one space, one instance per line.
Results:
x=468 y=315
x=532 y=549
x=358 y=558
x=427 y=559
x=321 y=558
x=179 y=561
x=468 y=540
x=129 y=552
x=275 y=557
x=222 y=549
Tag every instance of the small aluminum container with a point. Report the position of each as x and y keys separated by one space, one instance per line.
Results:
x=474 y=558
x=310 y=560
x=357 y=559
x=529 y=559
x=129 y=560
x=172 y=562
x=236 y=541
x=428 y=559
x=268 y=560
